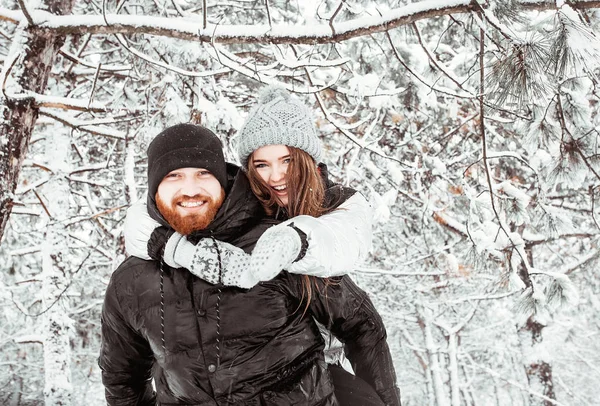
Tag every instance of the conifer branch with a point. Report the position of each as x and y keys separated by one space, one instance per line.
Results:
x=481 y=99
x=573 y=144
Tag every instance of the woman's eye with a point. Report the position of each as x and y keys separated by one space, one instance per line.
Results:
x=259 y=166
x=287 y=160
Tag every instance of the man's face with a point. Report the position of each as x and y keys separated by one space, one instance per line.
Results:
x=189 y=198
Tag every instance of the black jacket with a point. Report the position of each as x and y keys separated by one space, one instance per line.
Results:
x=224 y=345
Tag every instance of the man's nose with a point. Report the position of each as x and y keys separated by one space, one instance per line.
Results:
x=192 y=186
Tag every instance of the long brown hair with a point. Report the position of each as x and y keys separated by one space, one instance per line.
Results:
x=306 y=195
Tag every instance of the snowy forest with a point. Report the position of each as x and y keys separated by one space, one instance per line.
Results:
x=471 y=126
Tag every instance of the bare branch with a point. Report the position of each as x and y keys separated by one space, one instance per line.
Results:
x=445 y=91
x=335 y=13
x=25 y=12
x=172 y=68
x=42 y=203
x=109 y=68
x=268 y=13
x=84 y=125
x=435 y=62
x=94 y=83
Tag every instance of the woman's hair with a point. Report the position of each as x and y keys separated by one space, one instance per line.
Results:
x=306 y=195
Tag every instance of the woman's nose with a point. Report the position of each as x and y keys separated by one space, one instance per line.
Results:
x=277 y=174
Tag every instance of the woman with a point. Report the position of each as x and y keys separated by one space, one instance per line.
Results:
x=325 y=231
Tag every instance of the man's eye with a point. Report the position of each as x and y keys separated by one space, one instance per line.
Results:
x=203 y=173
x=172 y=175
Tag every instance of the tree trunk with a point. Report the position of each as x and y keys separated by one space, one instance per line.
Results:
x=37 y=50
x=58 y=389
x=538 y=369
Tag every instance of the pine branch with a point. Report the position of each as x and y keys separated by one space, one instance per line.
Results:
x=481 y=99
x=572 y=145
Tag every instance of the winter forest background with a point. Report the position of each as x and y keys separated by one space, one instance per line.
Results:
x=472 y=127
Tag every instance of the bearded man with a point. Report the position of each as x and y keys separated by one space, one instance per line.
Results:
x=211 y=344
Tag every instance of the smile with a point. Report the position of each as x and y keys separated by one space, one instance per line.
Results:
x=192 y=204
x=280 y=188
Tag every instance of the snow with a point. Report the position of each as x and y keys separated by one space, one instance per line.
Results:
x=444 y=274
x=193 y=26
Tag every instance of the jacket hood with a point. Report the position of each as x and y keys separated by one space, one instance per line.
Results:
x=238 y=213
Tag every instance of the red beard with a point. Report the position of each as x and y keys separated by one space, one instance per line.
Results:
x=187 y=224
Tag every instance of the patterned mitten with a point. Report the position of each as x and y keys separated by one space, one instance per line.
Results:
x=275 y=250
x=138 y=229
x=203 y=258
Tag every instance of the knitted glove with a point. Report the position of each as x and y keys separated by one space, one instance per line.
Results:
x=276 y=250
x=138 y=229
x=203 y=259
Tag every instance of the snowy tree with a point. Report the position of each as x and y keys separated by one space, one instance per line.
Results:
x=471 y=126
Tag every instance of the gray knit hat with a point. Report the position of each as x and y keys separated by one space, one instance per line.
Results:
x=278 y=119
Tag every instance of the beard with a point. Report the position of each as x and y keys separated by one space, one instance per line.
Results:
x=187 y=224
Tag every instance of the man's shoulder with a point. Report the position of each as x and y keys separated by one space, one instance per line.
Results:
x=133 y=268
x=247 y=240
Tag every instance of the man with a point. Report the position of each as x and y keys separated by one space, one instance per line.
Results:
x=206 y=344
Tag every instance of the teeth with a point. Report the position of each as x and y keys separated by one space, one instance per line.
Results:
x=282 y=187
x=191 y=204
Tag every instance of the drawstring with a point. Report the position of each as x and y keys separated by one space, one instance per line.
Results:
x=162 y=307
x=218 y=345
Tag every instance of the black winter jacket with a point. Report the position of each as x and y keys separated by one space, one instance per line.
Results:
x=224 y=345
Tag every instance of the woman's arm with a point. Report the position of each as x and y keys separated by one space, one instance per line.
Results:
x=206 y=258
x=349 y=314
x=146 y=239
x=337 y=241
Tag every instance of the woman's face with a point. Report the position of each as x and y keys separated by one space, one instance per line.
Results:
x=271 y=163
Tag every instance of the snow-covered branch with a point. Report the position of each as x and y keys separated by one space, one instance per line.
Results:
x=191 y=29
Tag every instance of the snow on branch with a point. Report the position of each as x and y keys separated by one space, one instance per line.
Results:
x=57 y=102
x=84 y=125
x=193 y=29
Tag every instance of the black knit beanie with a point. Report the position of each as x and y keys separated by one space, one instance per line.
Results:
x=184 y=146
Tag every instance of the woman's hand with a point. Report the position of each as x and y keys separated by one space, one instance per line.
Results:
x=275 y=250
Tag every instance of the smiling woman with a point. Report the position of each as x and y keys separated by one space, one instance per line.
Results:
x=271 y=163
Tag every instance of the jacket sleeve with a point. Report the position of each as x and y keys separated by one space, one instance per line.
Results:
x=125 y=358
x=349 y=314
x=337 y=241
